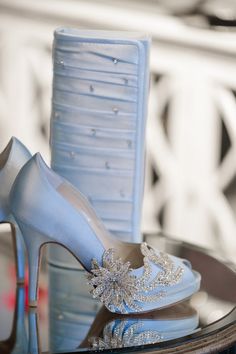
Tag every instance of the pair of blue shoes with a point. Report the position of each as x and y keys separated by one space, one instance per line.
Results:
x=45 y=208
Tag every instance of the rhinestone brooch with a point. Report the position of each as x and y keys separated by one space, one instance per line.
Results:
x=120 y=290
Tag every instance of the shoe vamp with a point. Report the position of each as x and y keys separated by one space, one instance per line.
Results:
x=157 y=271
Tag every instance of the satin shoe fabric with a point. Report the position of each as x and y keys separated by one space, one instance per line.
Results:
x=126 y=277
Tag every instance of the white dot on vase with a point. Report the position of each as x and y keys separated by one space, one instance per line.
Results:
x=107 y=165
x=115 y=110
x=61 y=62
x=122 y=193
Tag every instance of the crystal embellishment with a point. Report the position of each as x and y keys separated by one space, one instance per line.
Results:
x=124 y=335
x=72 y=154
x=93 y=131
x=120 y=290
x=115 y=110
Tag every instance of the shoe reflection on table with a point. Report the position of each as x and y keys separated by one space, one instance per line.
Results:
x=19 y=342
x=77 y=321
x=71 y=308
x=109 y=330
x=119 y=331
x=34 y=336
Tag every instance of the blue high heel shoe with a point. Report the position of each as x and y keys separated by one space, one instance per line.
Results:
x=126 y=277
x=12 y=158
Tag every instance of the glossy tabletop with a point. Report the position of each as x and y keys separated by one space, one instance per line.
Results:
x=69 y=320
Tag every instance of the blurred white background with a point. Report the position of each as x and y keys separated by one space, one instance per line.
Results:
x=191 y=132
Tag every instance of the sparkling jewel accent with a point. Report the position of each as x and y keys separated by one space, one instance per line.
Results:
x=123 y=335
x=107 y=165
x=115 y=110
x=93 y=131
x=122 y=193
x=129 y=143
x=119 y=289
x=115 y=61
x=72 y=154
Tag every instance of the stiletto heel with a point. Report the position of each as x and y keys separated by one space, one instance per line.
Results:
x=19 y=251
x=34 y=242
x=126 y=277
x=20 y=256
x=12 y=158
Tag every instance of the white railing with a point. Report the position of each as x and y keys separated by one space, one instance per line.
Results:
x=193 y=80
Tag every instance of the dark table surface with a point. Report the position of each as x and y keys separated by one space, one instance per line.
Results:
x=69 y=320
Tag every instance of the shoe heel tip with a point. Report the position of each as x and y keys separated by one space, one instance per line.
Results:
x=20 y=281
